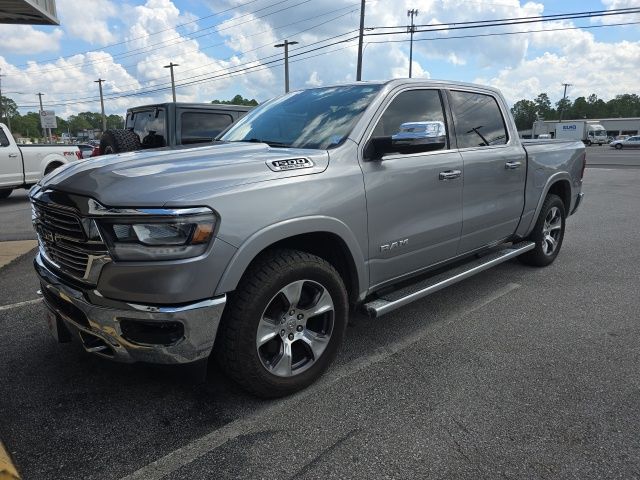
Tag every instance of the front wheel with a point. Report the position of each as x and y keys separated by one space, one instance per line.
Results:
x=283 y=324
x=618 y=146
x=547 y=233
x=588 y=143
x=5 y=192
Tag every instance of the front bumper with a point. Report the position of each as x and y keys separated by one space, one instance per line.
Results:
x=98 y=323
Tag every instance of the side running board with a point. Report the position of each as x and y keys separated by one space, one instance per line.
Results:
x=399 y=298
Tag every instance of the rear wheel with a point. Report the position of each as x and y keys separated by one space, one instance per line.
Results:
x=5 y=192
x=284 y=323
x=547 y=233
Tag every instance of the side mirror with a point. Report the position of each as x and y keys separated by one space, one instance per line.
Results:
x=413 y=137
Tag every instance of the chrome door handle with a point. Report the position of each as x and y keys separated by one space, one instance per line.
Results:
x=11 y=155
x=512 y=165
x=450 y=174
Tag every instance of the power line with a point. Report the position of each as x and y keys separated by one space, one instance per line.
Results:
x=98 y=49
x=170 y=42
x=210 y=78
x=506 y=21
x=498 y=34
x=117 y=94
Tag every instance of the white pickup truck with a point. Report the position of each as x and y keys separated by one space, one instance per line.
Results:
x=22 y=166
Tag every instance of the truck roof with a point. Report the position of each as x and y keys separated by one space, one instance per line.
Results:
x=212 y=106
x=419 y=81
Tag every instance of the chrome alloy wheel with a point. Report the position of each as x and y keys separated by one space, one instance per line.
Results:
x=295 y=328
x=551 y=231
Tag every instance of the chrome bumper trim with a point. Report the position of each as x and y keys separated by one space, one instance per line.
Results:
x=200 y=321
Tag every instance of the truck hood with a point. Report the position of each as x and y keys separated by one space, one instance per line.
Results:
x=154 y=178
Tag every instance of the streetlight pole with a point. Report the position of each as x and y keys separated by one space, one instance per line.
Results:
x=173 y=83
x=286 y=62
x=104 y=118
x=411 y=29
x=360 y=39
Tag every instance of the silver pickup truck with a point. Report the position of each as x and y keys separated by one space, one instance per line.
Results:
x=255 y=249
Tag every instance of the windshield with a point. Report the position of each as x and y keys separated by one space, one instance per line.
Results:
x=318 y=118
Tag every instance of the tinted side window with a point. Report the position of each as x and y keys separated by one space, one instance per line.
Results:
x=150 y=127
x=415 y=122
x=478 y=120
x=203 y=126
x=4 y=141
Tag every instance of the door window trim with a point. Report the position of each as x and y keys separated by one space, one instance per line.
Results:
x=383 y=108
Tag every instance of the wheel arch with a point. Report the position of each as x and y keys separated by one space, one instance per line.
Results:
x=558 y=184
x=51 y=162
x=325 y=237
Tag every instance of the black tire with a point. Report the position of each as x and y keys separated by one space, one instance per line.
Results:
x=5 y=192
x=618 y=146
x=118 y=141
x=541 y=256
x=589 y=143
x=236 y=347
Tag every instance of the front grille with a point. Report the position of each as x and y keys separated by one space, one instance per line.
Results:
x=64 y=244
x=60 y=221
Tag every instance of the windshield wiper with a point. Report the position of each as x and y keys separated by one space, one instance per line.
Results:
x=271 y=143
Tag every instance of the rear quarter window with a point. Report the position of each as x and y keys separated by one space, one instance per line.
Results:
x=478 y=120
x=202 y=126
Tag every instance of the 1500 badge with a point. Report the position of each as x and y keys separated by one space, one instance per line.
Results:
x=290 y=164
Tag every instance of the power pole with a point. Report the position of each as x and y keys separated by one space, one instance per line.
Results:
x=286 y=62
x=360 y=39
x=104 y=118
x=564 y=97
x=411 y=29
x=44 y=131
x=173 y=83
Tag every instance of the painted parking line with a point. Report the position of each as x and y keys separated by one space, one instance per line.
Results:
x=165 y=466
x=8 y=470
x=19 y=304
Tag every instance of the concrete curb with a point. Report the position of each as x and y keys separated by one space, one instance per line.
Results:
x=13 y=249
x=8 y=471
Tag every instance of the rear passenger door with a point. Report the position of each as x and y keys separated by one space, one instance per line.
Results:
x=494 y=170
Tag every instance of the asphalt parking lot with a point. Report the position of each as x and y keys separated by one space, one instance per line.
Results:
x=515 y=373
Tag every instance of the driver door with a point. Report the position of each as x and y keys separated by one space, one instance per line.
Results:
x=413 y=189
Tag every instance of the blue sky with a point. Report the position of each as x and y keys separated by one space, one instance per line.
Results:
x=128 y=42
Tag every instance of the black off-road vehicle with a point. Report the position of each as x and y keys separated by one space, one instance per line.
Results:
x=170 y=125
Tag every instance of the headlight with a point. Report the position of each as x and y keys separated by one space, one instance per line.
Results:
x=169 y=237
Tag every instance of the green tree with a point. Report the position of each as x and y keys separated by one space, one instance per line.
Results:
x=543 y=105
x=238 y=100
x=9 y=108
x=524 y=113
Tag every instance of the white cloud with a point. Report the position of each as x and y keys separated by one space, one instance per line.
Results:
x=589 y=71
x=91 y=22
x=24 y=39
x=614 y=4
